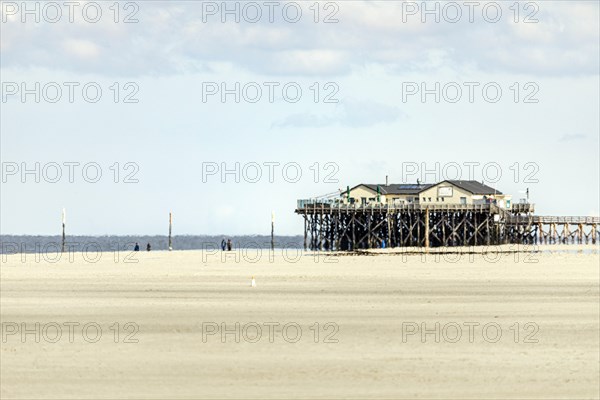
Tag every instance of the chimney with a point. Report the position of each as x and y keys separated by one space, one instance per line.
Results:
x=386 y=181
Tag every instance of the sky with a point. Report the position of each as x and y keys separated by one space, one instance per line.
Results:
x=223 y=113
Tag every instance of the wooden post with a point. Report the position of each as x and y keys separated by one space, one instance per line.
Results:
x=353 y=232
x=317 y=232
x=369 y=240
x=487 y=229
x=400 y=222
x=504 y=232
x=409 y=228
x=389 y=233
x=427 y=227
x=336 y=230
x=64 y=222
x=476 y=227
x=305 y=230
x=320 y=227
x=170 y=231
x=464 y=240
x=444 y=221
x=272 y=231
x=418 y=217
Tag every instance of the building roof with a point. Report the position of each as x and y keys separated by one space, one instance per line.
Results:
x=474 y=187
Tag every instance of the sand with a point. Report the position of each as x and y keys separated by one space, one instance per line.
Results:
x=370 y=311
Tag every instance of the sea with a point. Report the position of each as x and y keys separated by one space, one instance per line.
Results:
x=12 y=244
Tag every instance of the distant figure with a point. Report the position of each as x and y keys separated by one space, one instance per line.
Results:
x=137 y=247
x=223 y=244
x=229 y=245
x=148 y=248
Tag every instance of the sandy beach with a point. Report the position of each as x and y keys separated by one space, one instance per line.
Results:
x=513 y=325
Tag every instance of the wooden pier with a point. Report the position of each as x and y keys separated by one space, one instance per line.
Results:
x=555 y=229
x=340 y=226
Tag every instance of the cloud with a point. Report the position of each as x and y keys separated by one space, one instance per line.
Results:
x=83 y=49
x=305 y=120
x=181 y=37
x=350 y=113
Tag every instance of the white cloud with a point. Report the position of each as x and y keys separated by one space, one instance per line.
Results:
x=172 y=38
x=350 y=113
x=82 y=49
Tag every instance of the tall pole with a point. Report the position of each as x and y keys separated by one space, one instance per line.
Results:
x=170 y=230
x=272 y=231
x=64 y=221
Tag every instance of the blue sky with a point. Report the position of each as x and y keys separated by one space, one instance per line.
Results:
x=363 y=126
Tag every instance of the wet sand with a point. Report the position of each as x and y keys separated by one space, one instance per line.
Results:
x=511 y=325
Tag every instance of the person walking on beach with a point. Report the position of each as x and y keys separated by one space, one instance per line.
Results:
x=148 y=248
x=137 y=247
x=223 y=244
x=229 y=245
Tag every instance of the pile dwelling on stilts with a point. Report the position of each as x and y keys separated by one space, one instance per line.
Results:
x=449 y=213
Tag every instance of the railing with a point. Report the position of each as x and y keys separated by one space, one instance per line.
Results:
x=317 y=204
x=536 y=219
x=313 y=203
x=522 y=207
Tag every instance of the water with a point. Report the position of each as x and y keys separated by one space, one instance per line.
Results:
x=10 y=244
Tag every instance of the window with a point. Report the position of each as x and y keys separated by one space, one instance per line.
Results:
x=463 y=200
x=363 y=200
x=442 y=199
x=430 y=199
x=424 y=198
x=445 y=191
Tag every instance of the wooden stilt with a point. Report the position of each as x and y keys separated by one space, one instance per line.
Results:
x=305 y=230
x=427 y=227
